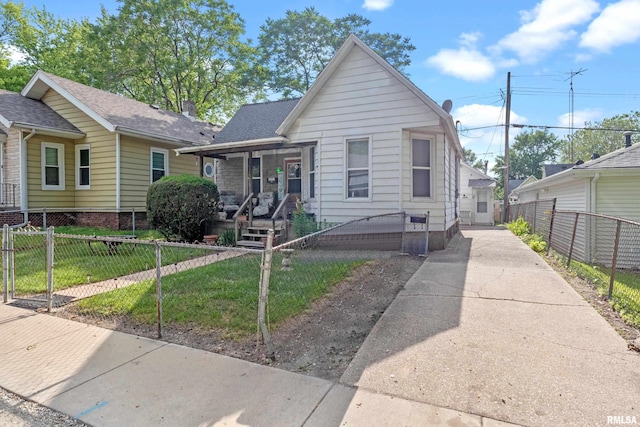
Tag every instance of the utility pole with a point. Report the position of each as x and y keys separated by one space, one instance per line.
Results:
x=507 y=123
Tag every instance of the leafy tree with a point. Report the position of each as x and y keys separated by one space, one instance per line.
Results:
x=472 y=160
x=166 y=51
x=14 y=78
x=295 y=49
x=602 y=137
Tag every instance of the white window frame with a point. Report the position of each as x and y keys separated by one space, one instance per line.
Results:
x=369 y=140
x=163 y=151
x=259 y=177
x=312 y=172
x=61 y=169
x=430 y=168
x=79 y=148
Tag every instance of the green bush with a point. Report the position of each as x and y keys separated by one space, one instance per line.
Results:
x=519 y=227
x=179 y=206
x=227 y=237
x=303 y=224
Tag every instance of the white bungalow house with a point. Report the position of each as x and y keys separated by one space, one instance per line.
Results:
x=363 y=140
x=476 y=196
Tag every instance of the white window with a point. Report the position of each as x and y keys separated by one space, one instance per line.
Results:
x=358 y=163
x=312 y=172
x=421 y=167
x=256 y=175
x=83 y=167
x=159 y=163
x=52 y=166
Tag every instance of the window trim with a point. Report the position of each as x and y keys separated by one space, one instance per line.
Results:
x=78 y=149
x=259 y=177
x=311 y=182
x=163 y=151
x=61 y=168
x=430 y=168
x=369 y=140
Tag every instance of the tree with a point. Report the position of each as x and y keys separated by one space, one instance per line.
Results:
x=14 y=78
x=295 y=49
x=601 y=137
x=472 y=160
x=166 y=51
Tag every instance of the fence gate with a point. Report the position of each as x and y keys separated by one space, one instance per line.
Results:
x=27 y=250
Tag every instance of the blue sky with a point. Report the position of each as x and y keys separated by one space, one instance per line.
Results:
x=464 y=49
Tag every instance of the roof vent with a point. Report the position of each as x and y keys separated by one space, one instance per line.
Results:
x=595 y=156
x=154 y=106
x=627 y=138
x=579 y=162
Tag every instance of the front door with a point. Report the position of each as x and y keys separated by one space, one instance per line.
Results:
x=293 y=176
x=482 y=214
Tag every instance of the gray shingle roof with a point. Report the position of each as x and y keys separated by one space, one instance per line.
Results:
x=481 y=183
x=515 y=183
x=129 y=114
x=256 y=121
x=624 y=158
x=16 y=108
x=554 y=169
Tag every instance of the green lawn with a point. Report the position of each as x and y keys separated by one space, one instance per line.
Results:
x=76 y=262
x=224 y=294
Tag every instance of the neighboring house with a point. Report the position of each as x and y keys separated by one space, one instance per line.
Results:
x=69 y=146
x=607 y=185
x=363 y=140
x=514 y=184
x=548 y=170
x=476 y=196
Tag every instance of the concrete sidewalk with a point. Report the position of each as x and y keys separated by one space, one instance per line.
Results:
x=484 y=331
x=487 y=327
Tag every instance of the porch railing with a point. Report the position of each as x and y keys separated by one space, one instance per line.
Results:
x=8 y=196
x=242 y=208
x=281 y=211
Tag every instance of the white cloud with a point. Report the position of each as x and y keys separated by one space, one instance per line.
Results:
x=546 y=27
x=377 y=4
x=490 y=139
x=619 y=23
x=466 y=62
x=580 y=117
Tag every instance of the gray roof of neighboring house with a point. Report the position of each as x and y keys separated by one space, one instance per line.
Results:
x=30 y=112
x=549 y=170
x=515 y=183
x=136 y=116
x=623 y=158
x=481 y=183
x=256 y=121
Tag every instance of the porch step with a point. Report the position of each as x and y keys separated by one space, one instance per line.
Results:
x=250 y=244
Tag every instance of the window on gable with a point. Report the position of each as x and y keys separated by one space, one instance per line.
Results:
x=159 y=163
x=312 y=172
x=83 y=167
x=421 y=167
x=52 y=166
x=358 y=168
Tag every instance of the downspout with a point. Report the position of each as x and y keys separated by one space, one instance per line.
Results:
x=24 y=205
x=118 y=172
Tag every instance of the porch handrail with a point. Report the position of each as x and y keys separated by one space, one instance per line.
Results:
x=277 y=213
x=243 y=206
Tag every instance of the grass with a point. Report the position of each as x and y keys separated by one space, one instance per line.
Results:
x=625 y=298
x=76 y=262
x=224 y=294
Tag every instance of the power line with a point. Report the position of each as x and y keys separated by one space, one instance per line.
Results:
x=520 y=126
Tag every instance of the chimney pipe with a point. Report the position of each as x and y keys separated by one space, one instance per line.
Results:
x=189 y=109
x=627 y=138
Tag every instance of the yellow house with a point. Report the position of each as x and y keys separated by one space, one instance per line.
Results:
x=70 y=147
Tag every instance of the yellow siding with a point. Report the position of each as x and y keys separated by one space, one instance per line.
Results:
x=135 y=169
x=102 y=192
x=39 y=198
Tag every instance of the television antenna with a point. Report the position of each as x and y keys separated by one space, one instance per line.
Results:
x=572 y=74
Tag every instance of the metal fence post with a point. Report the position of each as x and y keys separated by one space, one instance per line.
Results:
x=12 y=263
x=614 y=259
x=264 y=294
x=573 y=239
x=535 y=216
x=553 y=215
x=5 y=262
x=159 y=287
x=49 y=243
x=133 y=220
x=44 y=218
x=403 y=218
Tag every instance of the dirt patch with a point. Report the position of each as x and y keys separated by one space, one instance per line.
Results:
x=320 y=342
x=590 y=293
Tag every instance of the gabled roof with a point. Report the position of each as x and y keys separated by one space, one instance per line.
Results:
x=16 y=110
x=548 y=170
x=256 y=121
x=476 y=171
x=482 y=183
x=351 y=42
x=623 y=158
x=124 y=115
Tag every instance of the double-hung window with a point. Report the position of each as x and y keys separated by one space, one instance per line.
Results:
x=358 y=155
x=159 y=163
x=83 y=167
x=256 y=175
x=421 y=167
x=52 y=166
x=312 y=172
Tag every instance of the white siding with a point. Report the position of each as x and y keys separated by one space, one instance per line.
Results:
x=363 y=100
x=619 y=196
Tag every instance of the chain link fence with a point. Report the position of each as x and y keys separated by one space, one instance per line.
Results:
x=602 y=247
x=77 y=217
x=166 y=290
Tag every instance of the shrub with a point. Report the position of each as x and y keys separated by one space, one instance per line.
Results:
x=178 y=206
x=303 y=224
x=227 y=237
x=519 y=227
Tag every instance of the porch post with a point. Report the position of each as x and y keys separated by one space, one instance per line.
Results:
x=250 y=188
